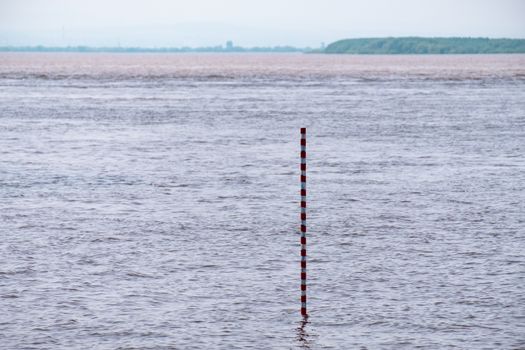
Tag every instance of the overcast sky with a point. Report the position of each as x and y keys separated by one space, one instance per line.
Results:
x=152 y=23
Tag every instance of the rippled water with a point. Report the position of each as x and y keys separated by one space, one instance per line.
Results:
x=151 y=201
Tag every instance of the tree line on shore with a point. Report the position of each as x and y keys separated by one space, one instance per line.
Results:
x=417 y=45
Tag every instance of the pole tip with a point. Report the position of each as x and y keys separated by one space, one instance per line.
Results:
x=303 y=130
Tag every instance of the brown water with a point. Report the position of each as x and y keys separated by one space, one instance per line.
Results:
x=125 y=66
x=151 y=201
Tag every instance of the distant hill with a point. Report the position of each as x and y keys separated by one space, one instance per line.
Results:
x=417 y=45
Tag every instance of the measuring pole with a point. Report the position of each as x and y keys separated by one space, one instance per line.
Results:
x=303 y=222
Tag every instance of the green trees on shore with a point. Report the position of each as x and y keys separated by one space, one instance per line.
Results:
x=417 y=45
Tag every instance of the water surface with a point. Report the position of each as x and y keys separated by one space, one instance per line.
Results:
x=150 y=201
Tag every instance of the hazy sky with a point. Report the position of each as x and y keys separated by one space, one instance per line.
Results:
x=249 y=23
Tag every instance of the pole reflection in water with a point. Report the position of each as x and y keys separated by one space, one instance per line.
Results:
x=303 y=337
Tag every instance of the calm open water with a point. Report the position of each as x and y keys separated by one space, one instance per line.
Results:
x=152 y=201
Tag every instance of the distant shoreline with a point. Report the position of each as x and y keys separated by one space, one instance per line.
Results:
x=90 y=49
x=361 y=46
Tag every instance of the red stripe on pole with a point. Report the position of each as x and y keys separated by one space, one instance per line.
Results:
x=303 y=192
x=303 y=167
x=303 y=228
x=303 y=216
x=303 y=178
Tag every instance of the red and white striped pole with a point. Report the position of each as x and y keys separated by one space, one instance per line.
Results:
x=303 y=222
